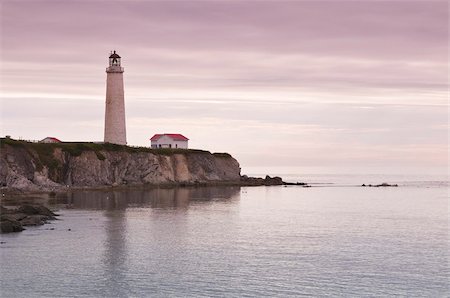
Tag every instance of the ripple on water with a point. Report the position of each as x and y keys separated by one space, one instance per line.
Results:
x=247 y=242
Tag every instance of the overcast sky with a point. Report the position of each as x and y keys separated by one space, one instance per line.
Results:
x=274 y=83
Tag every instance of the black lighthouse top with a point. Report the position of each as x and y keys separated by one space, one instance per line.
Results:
x=114 y=59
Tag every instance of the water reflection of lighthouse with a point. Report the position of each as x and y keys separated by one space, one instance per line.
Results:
x=115 y=245
x=127 y=217
x=161 y=198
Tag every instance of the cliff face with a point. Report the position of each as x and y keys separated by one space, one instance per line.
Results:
x=34 y=167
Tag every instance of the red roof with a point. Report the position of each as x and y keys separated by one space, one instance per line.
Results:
x=53 y=139
x=173 y=136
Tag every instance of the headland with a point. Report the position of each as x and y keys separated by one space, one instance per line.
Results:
x=27 y=167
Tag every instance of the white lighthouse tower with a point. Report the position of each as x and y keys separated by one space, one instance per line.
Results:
x=115 y=131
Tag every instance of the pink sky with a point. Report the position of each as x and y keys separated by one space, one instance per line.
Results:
x=288 y=83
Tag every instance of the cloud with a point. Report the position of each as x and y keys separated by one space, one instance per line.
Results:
x=247 y=77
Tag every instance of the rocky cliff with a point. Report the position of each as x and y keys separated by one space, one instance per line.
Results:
x=29 y=167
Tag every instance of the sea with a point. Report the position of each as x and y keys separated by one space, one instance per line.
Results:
x=333 y=239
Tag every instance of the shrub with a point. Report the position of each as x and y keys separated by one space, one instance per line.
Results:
x=100 y=156
x=222 y=155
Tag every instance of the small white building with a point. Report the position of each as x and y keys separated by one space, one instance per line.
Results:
x=169 y=140
x=50 y=140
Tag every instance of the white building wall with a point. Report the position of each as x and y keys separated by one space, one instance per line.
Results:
x=166 y=141
x=181 y=144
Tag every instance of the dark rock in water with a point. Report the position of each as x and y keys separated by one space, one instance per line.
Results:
x=34 y=220
x=273 y=180
x=28 y=209
x=267 y=181
x=13 y=217
x=7 y=217
x=33 y=210
x=3 y=210
x=12 y=220
x=384 y=184
x=297 y=183
x=42 y=210
x=10 y=226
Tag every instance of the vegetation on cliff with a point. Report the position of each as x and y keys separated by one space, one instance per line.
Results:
x=76 y=148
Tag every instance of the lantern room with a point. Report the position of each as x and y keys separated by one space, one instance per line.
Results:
x=114 y=59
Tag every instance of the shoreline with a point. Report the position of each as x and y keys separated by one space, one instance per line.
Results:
x=245 y=181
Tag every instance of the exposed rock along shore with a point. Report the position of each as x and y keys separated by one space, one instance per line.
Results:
x=14 y=219
x=35 y=167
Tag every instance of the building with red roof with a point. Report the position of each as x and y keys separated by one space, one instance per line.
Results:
x=169 y=140
x=50 y=140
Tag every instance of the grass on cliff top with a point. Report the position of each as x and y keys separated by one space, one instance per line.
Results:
x=76 y=148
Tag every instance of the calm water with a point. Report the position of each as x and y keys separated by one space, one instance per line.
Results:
x=241 y=242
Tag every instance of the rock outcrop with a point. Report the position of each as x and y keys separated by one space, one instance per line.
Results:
x=31 y=167
x=384 y=184
x=13 y=220
x=255 y=181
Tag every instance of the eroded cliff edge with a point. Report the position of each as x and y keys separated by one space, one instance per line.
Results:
x=29 y=167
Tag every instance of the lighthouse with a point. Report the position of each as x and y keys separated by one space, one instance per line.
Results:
x=115 y=130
